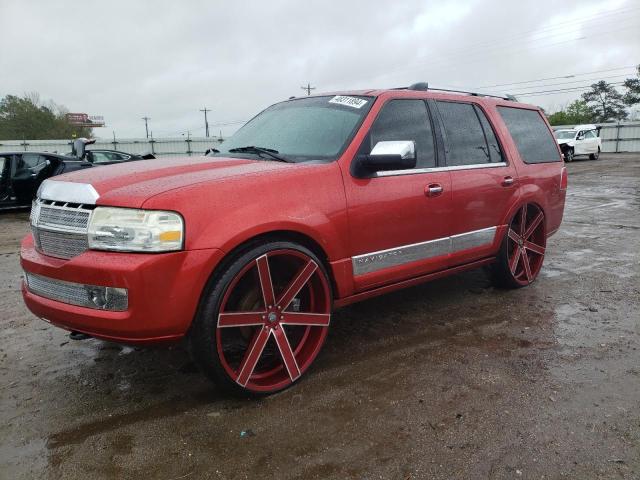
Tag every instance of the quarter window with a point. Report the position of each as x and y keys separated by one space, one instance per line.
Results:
x=405 y=120
x=530 y=134
x=468 y=141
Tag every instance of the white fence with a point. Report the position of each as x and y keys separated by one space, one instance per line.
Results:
x=617 y=137
x=164 y=147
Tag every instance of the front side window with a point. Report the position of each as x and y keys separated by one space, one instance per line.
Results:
x=404 y=120
x=530 y=134
x=590 y=134
x=467 y=140
x=30 y=160
x=316 y=128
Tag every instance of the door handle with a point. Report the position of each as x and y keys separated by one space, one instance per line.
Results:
x=508 y=181
x=433 y=190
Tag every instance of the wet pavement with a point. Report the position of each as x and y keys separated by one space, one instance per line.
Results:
x=452 y=379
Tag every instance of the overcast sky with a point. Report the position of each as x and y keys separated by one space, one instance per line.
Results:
x=168 y=59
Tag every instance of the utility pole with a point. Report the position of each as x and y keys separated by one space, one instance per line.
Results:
x=146 y=125
x=206 y=122
x=308 y=88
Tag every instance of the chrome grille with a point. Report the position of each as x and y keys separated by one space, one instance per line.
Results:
x=115 y=299
x=59 y=228
x=60 y=244
x=66 y=218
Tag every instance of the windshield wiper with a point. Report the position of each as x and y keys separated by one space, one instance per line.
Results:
x=260 y=150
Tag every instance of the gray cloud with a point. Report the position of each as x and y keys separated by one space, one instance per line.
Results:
x=125 y=59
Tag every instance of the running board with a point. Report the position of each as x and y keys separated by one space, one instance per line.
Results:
x=341 y=302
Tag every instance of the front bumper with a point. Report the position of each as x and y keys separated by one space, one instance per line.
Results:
x=163 y=291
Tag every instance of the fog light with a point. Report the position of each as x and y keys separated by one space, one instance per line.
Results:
x=107 y=298
x=91 y=296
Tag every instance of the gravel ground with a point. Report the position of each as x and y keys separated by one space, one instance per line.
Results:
x=452 y=379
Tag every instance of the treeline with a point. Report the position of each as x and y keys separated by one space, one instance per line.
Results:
x=29 y=118
x=602 y=103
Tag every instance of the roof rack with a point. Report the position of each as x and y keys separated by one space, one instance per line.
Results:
x=424 y=86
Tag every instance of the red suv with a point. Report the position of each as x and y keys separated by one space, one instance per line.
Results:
x=316 y=203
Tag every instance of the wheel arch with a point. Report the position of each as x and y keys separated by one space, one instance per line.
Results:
x=246 y=244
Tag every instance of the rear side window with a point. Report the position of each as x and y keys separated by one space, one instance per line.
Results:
x=468 y=135
x=530 y=134
x=405 y=120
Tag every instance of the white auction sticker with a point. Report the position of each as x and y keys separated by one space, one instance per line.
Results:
x=348 y=101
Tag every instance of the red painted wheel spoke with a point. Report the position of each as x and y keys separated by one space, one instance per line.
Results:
x=523 y=220
x=310 y=319
x=252 y=356
x=288 y=357
x=296 y=285
x=513 y=235
x=534 y=248
x=534 y=224
x=240 y=319
x=527 y=266
x=513 y=263
x=265 y=281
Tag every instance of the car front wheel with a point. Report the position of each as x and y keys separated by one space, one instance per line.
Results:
x=264 y=319
x=568 y=155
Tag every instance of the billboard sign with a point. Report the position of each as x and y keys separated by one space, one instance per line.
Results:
x=84 y=120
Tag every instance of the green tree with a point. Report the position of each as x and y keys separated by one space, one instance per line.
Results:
x=632 y=95
x=28 y=118
x=606 y=102
x=559 y=118
x=575 y=113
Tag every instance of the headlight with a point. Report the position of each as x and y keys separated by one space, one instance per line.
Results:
x=131 y=230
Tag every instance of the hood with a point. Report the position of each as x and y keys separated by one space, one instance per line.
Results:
x=130 y=184
x=568 y=141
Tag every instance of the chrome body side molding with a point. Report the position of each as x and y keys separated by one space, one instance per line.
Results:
x=414 y=171
x=393 y=257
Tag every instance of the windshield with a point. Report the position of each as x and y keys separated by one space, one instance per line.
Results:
x=565 y=134
x=316 y=128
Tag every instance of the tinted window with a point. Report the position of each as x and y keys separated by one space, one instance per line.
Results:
x=465 y=138
x=105 y=157
x=30 y=160
x=494 y=147
x=405 y=120
x=530 y=134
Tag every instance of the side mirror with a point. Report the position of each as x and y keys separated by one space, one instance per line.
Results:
x=389 y=155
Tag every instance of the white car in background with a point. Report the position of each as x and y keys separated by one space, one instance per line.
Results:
x=579 y=140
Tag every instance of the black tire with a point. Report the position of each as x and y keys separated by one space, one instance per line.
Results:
x=499 y=270
x=568 y=155
x=595 y=156
x=525 y=242
x=202 y=335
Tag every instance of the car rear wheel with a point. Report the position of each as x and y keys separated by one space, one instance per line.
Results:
x=264 y=319
x=595 y=156
x=522 y=251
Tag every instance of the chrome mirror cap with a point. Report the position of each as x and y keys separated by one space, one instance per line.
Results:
x=406 y=149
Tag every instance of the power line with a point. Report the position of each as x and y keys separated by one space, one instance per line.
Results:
x=572 y=75
x=562 y=90
x=308 y=88
x=206 y=122
x=146 y=125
